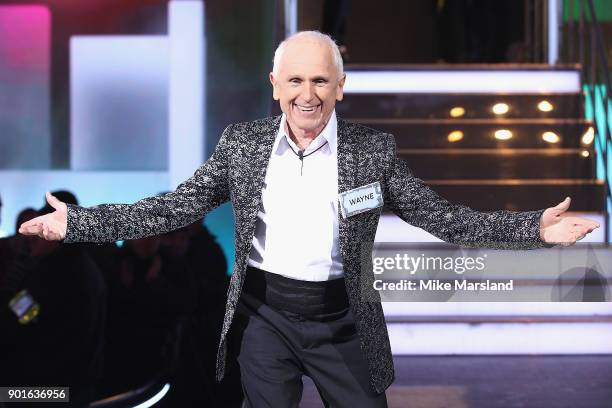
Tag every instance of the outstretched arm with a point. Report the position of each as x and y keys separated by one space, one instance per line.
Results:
x=414 y=202
x=205 y=190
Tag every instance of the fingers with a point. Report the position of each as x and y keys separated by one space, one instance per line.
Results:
x=572 y=237
x=35 y=230
x=581 y=222
x=569 y=230
x=564 y=205
x=579 y=235
x=579 y=231
x=30 y=228
x=552 y=215
x=38 y=228
x=32 y=222
x=53 y=202
x=560 y=208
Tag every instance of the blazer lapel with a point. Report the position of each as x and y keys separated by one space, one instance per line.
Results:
x=253 y=171
x=348 y=160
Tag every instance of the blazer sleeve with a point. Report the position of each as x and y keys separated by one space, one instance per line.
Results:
x=414 y=202
x=192 y=199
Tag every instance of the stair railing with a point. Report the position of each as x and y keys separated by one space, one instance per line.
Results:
x=585 y=45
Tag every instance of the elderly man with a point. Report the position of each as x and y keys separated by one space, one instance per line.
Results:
x=295 y=305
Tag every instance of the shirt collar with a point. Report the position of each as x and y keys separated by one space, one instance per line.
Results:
x=329 y=134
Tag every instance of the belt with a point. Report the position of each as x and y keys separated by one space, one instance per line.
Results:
x=296 y=296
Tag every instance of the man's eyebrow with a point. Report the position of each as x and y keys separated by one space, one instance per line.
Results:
x=301 y=78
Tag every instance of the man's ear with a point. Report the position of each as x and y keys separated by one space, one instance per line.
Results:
x=274 y=86
x=340 y=88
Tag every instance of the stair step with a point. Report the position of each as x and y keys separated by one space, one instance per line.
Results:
x=509 y=338
x=500 y=163
x=397 y=311
x=382 y=105
x=429 y=133
x=484 y=319
x=392 y=229
x=452 y=67
x=522 y=194
x=485 y=78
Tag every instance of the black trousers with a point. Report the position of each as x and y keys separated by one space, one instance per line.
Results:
x=317 y=338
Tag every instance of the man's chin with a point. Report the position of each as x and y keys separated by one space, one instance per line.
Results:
x=306 y=126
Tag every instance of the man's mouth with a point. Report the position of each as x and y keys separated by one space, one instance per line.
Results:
x=306 y=109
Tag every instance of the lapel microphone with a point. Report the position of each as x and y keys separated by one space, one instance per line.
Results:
x=300 y=154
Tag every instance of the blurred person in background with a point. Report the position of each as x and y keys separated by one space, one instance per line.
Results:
x=62 y=345
x=335 y=16
x=13 y=245
x=202 y=329
x=150 y=293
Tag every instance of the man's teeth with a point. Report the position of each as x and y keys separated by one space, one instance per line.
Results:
x=306 y=109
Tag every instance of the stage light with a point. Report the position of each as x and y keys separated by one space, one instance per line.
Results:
x=500 y=108
x=584 y=153
x=550 y=137
x=455 y=136
x=503 y=134
x=457 y=112
x=588 y=136
x=154 y=399
x=545 y=106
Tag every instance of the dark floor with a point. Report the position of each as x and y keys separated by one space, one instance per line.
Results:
x=495 y=382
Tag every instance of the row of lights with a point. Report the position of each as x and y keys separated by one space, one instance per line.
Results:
x=501 y=108
x=550 y=137
x=505 y=134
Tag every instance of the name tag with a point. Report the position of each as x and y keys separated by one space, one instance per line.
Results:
x=360 y=199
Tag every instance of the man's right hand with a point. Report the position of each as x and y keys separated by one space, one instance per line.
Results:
x=51 y=227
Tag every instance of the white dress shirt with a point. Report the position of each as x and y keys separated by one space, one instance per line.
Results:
x=296 y=232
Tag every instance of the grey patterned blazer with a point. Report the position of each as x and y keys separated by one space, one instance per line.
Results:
x=236 y=171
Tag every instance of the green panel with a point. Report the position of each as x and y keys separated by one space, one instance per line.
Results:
x=599 y=119
x=603 y=9
x=597 y=114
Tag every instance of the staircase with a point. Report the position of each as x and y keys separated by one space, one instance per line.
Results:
x=462 y=159
x=445 y=125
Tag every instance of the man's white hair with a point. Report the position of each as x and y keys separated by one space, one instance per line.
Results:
x=315 y=35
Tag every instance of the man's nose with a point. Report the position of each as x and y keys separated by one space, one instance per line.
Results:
x=307 y=92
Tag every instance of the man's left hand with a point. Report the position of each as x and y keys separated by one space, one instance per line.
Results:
x=558 y=228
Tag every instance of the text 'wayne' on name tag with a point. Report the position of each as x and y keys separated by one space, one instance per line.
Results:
x=360 y=199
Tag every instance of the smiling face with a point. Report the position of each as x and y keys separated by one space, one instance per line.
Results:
x=307 y=86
